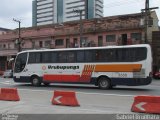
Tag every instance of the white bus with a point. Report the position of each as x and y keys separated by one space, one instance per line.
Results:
x=102 y=66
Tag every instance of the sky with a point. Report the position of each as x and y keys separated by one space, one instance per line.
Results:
x=22 y=10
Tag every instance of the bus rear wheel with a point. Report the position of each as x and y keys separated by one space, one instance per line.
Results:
x=36 y=81
x=104 y=83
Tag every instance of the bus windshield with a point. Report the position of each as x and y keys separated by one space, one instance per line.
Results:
x=20 y=62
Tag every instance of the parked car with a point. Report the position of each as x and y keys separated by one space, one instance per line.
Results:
x=8 y=74
x=156 y=75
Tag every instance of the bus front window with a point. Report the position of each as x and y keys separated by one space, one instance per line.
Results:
x=20 y=62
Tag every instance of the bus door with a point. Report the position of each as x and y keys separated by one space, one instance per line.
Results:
x=20 y=65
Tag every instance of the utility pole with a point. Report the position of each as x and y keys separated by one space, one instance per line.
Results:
x=147 y=14
x=79 y=12
x=19 y=34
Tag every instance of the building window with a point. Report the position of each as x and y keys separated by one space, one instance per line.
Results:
x=110 y=38
x=2 y=65
x=59 y=11
x=136 y=36
x=41 y=44
x=33 y=44
x=23 y=44
x=150 y=22
x=100 y=40
x=67 y=43
x=15 y=45
x=47 y=43
x=75 y=42
x=9 y=45
x=90 y=9
x=0 y=46
x=4 y=46
x=59 y=42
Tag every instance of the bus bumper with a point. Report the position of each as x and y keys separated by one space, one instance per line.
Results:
x=131 y=81
x=22 y=79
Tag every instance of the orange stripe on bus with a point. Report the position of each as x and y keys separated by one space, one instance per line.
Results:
x=118 y=68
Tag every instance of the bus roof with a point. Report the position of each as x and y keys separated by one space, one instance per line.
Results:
x=86 y=48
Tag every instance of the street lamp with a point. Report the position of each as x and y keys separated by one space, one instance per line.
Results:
x=18 y=41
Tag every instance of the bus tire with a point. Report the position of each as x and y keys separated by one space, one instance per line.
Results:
x=36 y=81
x=104 y=83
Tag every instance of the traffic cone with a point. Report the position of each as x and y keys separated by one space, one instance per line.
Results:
x=146 y=104
x=9 y=94
x=65 y=98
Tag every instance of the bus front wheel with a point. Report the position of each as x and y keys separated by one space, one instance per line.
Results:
x=36 y=81
x=104 y=83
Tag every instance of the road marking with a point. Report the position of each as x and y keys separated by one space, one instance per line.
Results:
x=5 y=82
x=139 y=106
x=8 y=83
x=57 y=99
x=21 y=89
x=118 y=95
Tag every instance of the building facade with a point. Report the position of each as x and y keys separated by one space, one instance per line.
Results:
x=156 y=50
x=59 y=11
x=115 y=30
x=3 y=31
x=3 y=59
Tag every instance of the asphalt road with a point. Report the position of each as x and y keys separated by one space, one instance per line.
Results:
x=37 y=100
x=152 y=89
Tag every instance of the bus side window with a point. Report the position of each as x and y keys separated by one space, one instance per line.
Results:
x=110 y=55
x=121 y=55
x=130 y=54
x=80 y=56
x=88 y=56
x=99 y=56
x=62 y=57
x=53 y=57
x=70 y=57
x=34 y=57
x=141 y=54
x=124 y=57
x=31 y=57
x=38 y=58
x=46 y=57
